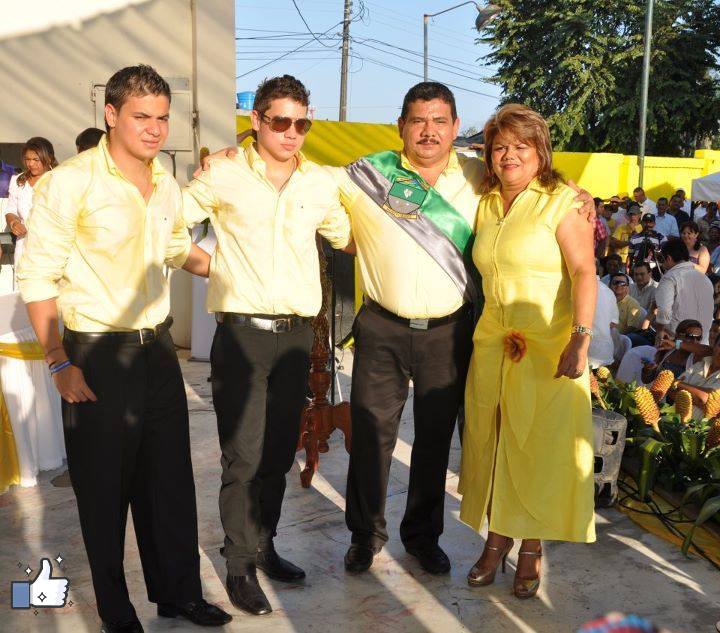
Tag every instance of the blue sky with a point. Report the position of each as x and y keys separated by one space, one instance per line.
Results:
x=375 y=90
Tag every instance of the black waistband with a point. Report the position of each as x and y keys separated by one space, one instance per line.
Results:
x=138 y=337
x=268 y=322
x=419 y=324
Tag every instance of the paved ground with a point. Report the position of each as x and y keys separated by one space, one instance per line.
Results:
x=627 y=569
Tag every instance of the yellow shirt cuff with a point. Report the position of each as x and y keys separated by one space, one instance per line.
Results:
x=37 y=290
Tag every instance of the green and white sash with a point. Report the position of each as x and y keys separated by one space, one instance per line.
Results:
x=417 y=208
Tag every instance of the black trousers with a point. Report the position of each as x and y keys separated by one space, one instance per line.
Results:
x=132 y=448
x=387 y=355
x=259 y=383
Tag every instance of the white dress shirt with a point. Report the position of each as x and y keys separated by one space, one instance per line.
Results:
x=646 y=295
x=685 y=293
x=666 y=225
x=20 y=199
x=601 y=352
x=649 y=207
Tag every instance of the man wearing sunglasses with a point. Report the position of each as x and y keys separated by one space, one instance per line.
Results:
x=266 y=204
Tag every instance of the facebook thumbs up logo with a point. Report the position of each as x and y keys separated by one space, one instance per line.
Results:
x=44 y=591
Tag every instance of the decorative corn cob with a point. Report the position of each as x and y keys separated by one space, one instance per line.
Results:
x=603 y=374
x=683 y=405
x=663 y=381
x=647 y=407
x=595 y=390
x=713 y=436
x=712 y=405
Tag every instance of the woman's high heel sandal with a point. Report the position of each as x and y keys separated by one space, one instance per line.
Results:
x=479 y=577
x=524 y=588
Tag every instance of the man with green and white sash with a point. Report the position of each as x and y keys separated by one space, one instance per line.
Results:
x=413 y=215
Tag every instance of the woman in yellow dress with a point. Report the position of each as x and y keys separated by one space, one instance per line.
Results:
x=527 y=460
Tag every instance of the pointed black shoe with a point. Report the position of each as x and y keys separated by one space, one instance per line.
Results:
x=359 y=557
x=125 y=627
x=431 y=558
x=276 y=567
x=201 y=613
x=245 y=593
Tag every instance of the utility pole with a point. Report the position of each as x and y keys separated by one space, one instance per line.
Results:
x=644 y=90
x=344 y=63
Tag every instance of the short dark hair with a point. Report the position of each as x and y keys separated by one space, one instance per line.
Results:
x=134 y=81
x=642 y=265
x=284 y=87
x=613 y=257
x=638 y=189
x=427 y=91
x=662 y=198
x=597 y=201
x=88 y=138
x=676 y=249
x=686 y=324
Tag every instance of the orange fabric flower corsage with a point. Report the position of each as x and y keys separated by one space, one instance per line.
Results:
x=515 y=346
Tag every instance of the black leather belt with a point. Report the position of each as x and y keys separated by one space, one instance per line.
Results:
x=275 y=324
x=418 y=324
x=144 y=336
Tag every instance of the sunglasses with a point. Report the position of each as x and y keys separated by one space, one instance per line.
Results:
x=692 y=337
x=619 y=283
x=283 y=123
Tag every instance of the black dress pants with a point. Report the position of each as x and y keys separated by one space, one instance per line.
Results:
x=259 y=384
x=132 y=448
x=387 y=355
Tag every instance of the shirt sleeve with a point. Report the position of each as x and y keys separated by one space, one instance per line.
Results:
x=199 y=199
x=179 y=246
x=637 y=316
x=674 y=227
x=347 y=189
x=12 y=203
x=335 y=226
x=57 y=201
x=664 y=298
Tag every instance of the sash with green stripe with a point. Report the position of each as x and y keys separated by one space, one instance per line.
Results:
x=417 y=208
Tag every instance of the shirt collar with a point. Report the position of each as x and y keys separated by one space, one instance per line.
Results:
x=452 y=166
x=533 y=185
x=157 y=169
x=257 y=164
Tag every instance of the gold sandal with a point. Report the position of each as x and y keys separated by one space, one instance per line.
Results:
x=525 y=588
x=479 y=578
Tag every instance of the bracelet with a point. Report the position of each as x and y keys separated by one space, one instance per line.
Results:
x=581 y=329
x=54 y=369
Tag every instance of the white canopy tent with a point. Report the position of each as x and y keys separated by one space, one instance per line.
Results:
x=706 y=188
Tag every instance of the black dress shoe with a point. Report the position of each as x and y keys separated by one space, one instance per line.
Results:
x=431 y=557
x=277 y=568
x=246 y=594
x=124 y=627
x=359 y=557
x=200 y=612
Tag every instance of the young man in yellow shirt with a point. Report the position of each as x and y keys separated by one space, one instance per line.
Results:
x=265 y=203
x=103 y=225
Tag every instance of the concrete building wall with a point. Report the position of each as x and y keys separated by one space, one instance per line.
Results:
x=53 y=55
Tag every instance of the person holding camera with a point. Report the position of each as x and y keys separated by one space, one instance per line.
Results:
x=643 y=247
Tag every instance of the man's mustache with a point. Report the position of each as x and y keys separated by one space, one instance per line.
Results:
x=428 y=141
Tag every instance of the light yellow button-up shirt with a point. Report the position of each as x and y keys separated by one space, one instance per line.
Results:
x=266 y=260
x=97 y=246
x=395 y=271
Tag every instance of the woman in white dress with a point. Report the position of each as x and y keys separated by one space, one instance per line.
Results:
x=38 y=156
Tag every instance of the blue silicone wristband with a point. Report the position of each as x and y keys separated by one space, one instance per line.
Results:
x=59 y=367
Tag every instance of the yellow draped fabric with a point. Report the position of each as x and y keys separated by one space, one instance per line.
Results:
x=9 y=466
x=531 y=465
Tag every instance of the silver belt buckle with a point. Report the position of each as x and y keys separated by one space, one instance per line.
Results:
x=280 y=325
x=419 y=324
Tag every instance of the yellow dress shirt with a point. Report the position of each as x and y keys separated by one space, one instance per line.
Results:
x=396 y=272
x=97 y=246
x=266 y=260
x=623 y=233
x=631 y=315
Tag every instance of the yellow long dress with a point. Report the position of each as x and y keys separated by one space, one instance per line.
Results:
x=532 y=462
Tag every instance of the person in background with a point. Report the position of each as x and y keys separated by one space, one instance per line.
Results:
x=631 y=313
x=601 y=234
x=700 y=380
x=689 y=233
x=613 y=264
x=676 y=210
x=643 y=290
x=647 y=205
x=704 y=217
x=88 y=138
x=678 y=353
x=607 y=215
x=619 y=208
x=665 y=223
x=38 y=157
x=620 y=240
x=682 y=293
x=644 y=246
x=685 y=204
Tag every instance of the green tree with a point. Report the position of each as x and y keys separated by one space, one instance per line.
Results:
x=579 y=63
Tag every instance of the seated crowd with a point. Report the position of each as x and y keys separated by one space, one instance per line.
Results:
x=658 y=303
